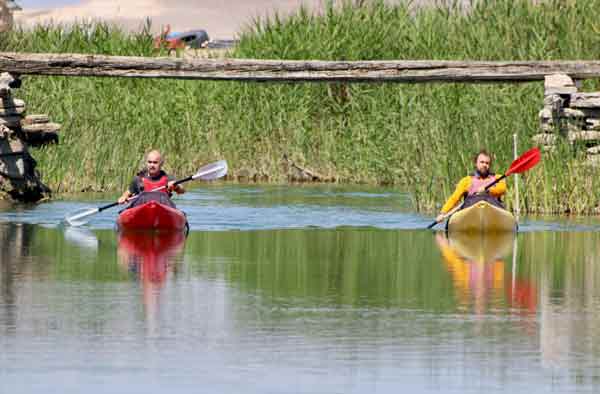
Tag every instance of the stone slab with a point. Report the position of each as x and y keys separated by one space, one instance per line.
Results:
x=36 y=119
x=572 y=113
x=585 y=136
x=585 y=100
x=41 y=128
x=545 y=114
x=11 y=103
x=554 y=102
x=544 y=139
x=592 y=124
x=594 y=150
x=547 y=128
x=12 y=111
x=10 y=120
x=559 y=84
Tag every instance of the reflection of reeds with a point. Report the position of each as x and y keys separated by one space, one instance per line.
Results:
x=565 y=268
x=342 y=266
x=420 y=137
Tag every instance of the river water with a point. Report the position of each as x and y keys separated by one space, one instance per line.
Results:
x=295 y=290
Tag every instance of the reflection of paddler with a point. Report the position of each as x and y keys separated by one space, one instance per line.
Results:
x=150 y=253
x=475 y=262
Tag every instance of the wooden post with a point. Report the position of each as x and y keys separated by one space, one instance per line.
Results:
x=515 y=153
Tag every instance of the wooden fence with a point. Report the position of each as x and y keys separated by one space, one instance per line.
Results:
x=400 y=71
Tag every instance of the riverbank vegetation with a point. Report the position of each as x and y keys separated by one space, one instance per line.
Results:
x=420 y=137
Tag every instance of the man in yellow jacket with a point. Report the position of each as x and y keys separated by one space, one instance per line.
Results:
x=472 y=187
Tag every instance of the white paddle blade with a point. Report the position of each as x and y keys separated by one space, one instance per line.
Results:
x=80 y=217
x=82 y=237
x=212 y=171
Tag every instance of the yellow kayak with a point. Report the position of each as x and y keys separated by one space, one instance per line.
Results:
x=482 y=217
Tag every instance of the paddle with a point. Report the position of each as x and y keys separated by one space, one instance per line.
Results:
x=208 y=172
x=521 y=164
x=448 y=214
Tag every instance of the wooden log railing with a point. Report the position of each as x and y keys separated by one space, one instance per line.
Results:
x=404 y=71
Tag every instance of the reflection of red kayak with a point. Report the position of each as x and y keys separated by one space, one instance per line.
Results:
x=152 y=216
x=151 y=252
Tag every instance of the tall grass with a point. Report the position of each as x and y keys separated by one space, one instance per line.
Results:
x=419 y=137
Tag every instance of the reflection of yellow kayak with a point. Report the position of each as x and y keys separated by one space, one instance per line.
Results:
x=482 y=248
x=476 y=264
x=482 y=217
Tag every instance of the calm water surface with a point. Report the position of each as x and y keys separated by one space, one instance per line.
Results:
x=296 y=290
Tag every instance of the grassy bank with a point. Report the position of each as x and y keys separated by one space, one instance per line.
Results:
x=419 y=137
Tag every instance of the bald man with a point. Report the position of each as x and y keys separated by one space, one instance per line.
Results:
x=151 y=178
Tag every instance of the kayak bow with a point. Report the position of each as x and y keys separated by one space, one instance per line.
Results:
x=152 y=216
x=482 y=217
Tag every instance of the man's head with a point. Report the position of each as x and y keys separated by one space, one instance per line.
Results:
x=483 y=161
x=154 y=162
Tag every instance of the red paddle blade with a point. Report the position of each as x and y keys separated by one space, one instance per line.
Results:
x=524 y=162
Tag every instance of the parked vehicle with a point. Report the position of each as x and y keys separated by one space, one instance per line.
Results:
x=193 y=39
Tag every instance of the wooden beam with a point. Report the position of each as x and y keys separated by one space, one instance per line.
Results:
x=406 y=71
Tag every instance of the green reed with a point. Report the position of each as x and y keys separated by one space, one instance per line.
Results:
x=420 y=137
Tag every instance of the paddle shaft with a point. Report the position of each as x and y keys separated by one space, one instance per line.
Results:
x=133 y=197
x=495 y=181
x=178 y=182
x=189 y=178
x=455 y=209
x=102 y=208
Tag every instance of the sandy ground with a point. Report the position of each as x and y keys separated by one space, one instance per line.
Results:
x=222 y=19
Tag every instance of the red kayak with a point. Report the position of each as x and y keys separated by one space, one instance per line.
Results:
x=152 y=215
